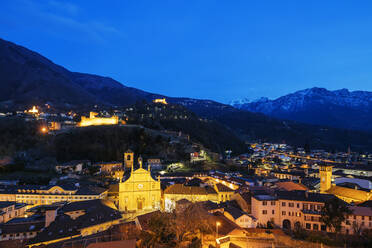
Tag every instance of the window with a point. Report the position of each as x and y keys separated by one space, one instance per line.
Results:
x=264 y=211
x=370 y=218
x=315 y=227
x=291 y=204
x=298 y=205
x=272 y=203
x=264 y=203
x=283 y=212
x=308 y=226
x=273 y=211
x=283 y=204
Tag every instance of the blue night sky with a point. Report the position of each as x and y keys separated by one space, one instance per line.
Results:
x=220 y=50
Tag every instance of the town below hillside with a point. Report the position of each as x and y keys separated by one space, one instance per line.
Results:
x=157 y=175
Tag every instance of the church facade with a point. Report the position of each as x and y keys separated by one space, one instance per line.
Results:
x=140 y=192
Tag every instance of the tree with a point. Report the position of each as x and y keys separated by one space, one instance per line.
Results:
x=334 y=213
x=191 y=224
x=161 y=228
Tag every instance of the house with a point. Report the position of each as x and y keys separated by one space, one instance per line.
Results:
x=291 y=209
x=240 y=218
x=75 y=166
x=109 y=167
x=78 y=219
x=216 y=193
x=40 y=195
x=10 y=210
x=22 y=229
x=154 y=163
x=244 y=201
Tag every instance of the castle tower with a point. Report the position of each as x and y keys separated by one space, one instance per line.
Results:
x=128 y=159
x=325 y=175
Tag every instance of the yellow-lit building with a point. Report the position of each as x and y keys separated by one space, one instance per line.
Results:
x=140 y=192
x=346 y=194
x=93 y=120
x=325 y=175
x=43 y=195
x=216 y=193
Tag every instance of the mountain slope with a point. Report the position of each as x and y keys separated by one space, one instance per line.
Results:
x=29 y=78
x=339 y=108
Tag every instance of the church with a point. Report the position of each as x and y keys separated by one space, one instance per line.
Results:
x=138 y=191
x=347 y=194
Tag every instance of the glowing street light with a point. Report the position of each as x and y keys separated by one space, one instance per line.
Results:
x=217 y=225
x=44 y=130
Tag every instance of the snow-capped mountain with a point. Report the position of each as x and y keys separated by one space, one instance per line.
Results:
x=239 y=102
x=339 y=108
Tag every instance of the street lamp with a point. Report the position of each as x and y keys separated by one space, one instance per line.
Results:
x=217 y=225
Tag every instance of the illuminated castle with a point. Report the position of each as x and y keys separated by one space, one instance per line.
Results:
x=33 y=111
x=161 y=100
x=93 y=120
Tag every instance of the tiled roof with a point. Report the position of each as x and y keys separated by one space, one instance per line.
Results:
x=361 y=211
x=304 y=196
x=208 y=205
x=366 y=204
x=223 y=188
x=358 y=195
x=226 y=225
x=96 y=212
x=234 y=212
x=84 y=205
x=5 y=204
x=188 y=190
x=90 y=190
x=144 y=219
x=290 y=186
x=21 y=227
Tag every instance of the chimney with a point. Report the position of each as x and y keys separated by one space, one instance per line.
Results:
x=50 y=216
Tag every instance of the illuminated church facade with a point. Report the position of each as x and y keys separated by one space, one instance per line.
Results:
x=139 y=192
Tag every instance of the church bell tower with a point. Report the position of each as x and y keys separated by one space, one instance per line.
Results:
x=128 y=159
x=325 y=174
